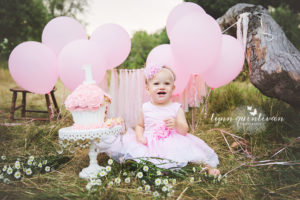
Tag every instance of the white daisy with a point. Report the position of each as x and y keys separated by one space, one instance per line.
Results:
x=9 y=170
x=45 y=162
x=6 y=180
x=127 y=180
x=17 y=164
x=31 y=158
x=28 y=171
x=17 y=174
x=174 y=181
x=108 y=168
x=145 y=168
x=117 y=180
x=47 y=169
x=29 y=162
x=140 y=175
x=165 y=181
x=98 y=182
x=192 y=179
x=110 y=184
x=143 y=182
x=164 y=189
x=157 y=181
x=158 y=173
x=103 y=173
x=139 y=189
x=1 y=176
x=40 y=165
x=156 y=194
x=169 y=194
x=4 y=168
x=147 y=187
x=124 y=173
x=88 y=186
x=219 y=177
x=110 y=161
x=194 y=169
x=3 y=157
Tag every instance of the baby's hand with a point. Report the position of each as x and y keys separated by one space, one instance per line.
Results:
x=142 y=140
x=170 y=122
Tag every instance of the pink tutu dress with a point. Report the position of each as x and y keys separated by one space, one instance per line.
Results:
x=175 y=149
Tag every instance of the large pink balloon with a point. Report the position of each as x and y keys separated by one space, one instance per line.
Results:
x=62 y=30
x=196 y=42
x=33 y=66
x=162 y=55
x=74 y=56
x=230 y=64
x=114 y=42
x=179 y=11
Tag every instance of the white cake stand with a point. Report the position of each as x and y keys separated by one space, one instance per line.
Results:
x=106 y=135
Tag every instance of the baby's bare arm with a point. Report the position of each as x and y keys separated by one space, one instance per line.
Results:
x=139 y=130
x=179 y=123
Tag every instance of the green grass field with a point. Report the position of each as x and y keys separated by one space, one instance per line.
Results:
x=245 y=178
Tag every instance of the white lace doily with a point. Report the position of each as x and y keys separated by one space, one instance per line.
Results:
x=71 y=134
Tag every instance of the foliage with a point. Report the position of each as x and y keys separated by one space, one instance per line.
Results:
x=285 y=13
x=69 y=8
x=289 y=22
x=147 y=179
x=15 y=169
x=141 y=45
x=242 y=182
x=217 y=8
x=20 y=21
x=25 y=20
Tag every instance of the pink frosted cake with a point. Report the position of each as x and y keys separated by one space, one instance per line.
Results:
x=88 y=105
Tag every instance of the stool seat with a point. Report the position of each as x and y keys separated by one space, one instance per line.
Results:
x=19 y=89
x=13 y=107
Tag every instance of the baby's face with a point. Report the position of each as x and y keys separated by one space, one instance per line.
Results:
x=161 y=87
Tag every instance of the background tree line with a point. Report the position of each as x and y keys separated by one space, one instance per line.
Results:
x=23 y=20
x=286 y=13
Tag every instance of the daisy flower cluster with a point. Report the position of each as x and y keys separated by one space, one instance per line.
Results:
x=11 y=170
x=147 y=179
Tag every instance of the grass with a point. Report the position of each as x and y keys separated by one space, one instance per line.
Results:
x=243 y=181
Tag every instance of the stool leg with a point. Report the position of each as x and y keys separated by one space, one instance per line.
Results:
x=13 y=106
x=55 y=104
x=48 y=106
x=23 y=104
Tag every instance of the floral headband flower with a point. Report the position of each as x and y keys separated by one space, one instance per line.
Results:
x=151 y=70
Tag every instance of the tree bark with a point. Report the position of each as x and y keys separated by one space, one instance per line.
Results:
x=274 y=63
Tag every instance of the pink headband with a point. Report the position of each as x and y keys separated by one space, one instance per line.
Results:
x=151 y=70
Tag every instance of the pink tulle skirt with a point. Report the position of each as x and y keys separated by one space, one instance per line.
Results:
x=175 y=150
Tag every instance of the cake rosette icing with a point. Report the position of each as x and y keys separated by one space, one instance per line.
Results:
x=88 y=105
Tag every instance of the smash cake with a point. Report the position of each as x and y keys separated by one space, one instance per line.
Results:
x=89 y=104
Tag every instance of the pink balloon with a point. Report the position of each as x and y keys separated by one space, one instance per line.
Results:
x=179 y=11
x=162 y=55
x=114 y=42
x=33 y=66
x=230 y=64
x=196 y=42
x=60 y=31
x=74 y=56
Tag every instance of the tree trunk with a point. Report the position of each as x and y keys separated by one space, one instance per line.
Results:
x=274 y=63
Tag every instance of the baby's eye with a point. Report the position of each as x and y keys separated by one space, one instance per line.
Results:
x=155 y=83
x=167 y=83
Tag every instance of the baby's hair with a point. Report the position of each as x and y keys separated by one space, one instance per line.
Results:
x=170 y=71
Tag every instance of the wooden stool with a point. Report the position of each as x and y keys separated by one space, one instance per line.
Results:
x=13 y=107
